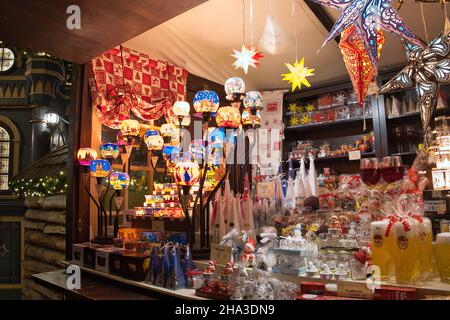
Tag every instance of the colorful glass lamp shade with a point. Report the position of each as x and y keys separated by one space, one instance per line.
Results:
x=253 y=100
x=130 y=127
x=197 y=149
x=168 y=130
x=100 y=168
x=250 y=118
x=167 y=151
x=119 y=180
x=187 y=173
x=110 y=150
x=228 y=117
x=153 y=140
x=86 y=155
x=206 y=102
x=181 y=108
x=234 y=88
x=216 y=137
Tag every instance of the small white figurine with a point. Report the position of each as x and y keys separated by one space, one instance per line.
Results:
x=311 y=270
x=326 y=273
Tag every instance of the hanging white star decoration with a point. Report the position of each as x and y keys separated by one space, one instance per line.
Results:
x=247 y=57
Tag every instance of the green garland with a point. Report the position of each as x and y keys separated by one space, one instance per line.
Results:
x=40 y=187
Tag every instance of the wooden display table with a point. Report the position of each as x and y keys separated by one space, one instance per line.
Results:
x=430 y=287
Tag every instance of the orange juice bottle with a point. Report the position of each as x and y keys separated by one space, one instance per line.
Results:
x=443 y=255
x=405 y=253
x=425 y=232
x=382 y=247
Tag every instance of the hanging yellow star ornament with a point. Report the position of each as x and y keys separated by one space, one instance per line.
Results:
x=297 y=74
x=247 y=57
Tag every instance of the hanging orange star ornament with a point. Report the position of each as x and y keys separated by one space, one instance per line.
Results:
x=297 y=74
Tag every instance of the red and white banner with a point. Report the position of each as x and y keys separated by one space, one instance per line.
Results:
x=153 y=86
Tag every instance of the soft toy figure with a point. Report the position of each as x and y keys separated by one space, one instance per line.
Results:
x=211 y=268
x=248 y=256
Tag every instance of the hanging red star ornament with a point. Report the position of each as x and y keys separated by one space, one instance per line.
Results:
x=247 y=57
x=360 y=68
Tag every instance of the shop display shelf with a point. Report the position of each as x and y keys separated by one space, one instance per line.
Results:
x=322 y=125
x=409 y=153
x=157 y=218
x=188 y=294
x=436 y=113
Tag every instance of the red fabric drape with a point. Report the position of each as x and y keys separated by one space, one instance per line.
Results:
x=151 y=86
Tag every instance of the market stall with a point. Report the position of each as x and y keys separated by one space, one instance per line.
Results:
x=319 y=192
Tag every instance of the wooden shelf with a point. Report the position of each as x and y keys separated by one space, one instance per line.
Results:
x=437 y=112
x=314 y=126
x=410 y=153
x=363 y=155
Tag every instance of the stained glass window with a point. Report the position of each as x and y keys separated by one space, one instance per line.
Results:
x=4 y=158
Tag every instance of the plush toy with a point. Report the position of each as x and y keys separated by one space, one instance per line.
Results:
x=248 y=256
x=211 y=268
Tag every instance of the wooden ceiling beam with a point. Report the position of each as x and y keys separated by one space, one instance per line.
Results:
x=41 y=25
x=322 y=16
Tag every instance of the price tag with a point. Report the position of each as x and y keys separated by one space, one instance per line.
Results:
x=158 y=226
x=265 y=190
x=221 y=253
x=354 y=155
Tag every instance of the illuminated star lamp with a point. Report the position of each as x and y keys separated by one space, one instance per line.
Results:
x=425 y=71
x=297 y=74
x=360 y=68
x=368 y=17
x=247 y=57
x=206 y=102
x=234 y=89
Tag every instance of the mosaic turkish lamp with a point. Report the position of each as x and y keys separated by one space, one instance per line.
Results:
x=197 y=149
x=235 y=89
x=86 y=155
x=251 y=119
x=119 y=180
x=253 y=100
x=187 y=173
x=109 y=150
x=100 y=168
x=216 y=137
x=153 y=140
x=206 y=102
x=168 y=130
x=121 y=139
x=186 y=121
x=228 y=117
x=181 y=108
x=167 y=151
x=130 y=128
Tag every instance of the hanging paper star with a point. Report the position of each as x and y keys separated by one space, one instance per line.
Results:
x=340 y=97
x=247 y=57
x=293 y=121
x=305 y=119
x=292 y=107
x=300 y=109
x=368 y=16
x=297 y=74
x=310 y=107
x=359 y=67
x=426 y=70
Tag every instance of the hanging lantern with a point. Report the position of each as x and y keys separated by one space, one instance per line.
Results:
x=186 y=173
x=129 y=128
x=86 y=155
x=167 y=151
x=153 y=140
x=234 y=88
x=186 y=121
x=251 y=118
x=197 y=149
x=110 y=150
x=168 y=130
x=181 y=108
x=206 y=101
x=121 y=139
x=228 y=117
x=253 y=100
x=100 y=168
x=216 y=137
x=119 y=180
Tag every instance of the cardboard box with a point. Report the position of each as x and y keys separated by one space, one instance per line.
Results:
x=78 y=253
x=395 y=293
x=135 y=266
x=102 y=258
x=315 y=288
x=357 y=290
x=116 y=263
